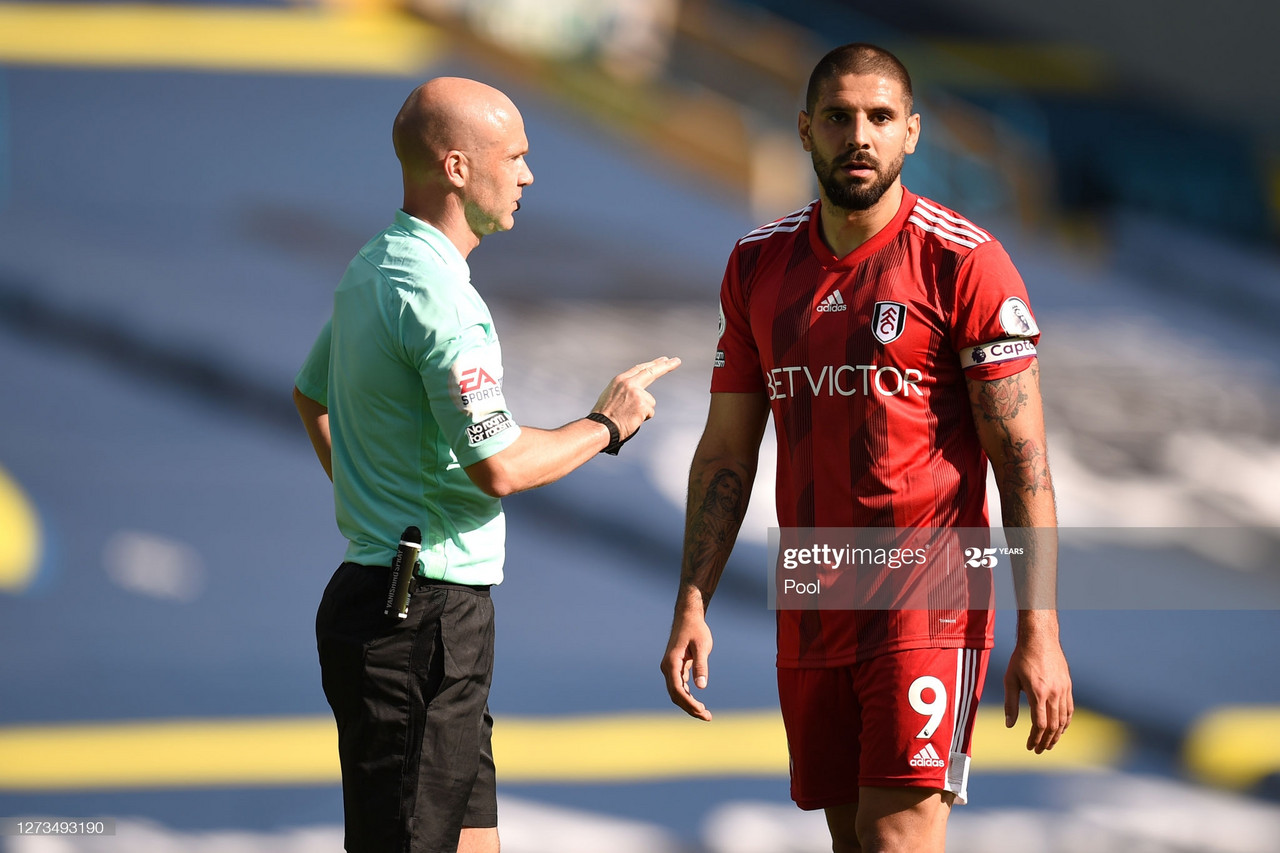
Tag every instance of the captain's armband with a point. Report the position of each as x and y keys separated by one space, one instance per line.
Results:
x=995 y=352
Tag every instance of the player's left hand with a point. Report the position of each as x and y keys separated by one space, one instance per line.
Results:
x=1039 y=669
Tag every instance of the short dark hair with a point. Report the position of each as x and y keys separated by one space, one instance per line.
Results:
x=857 y=58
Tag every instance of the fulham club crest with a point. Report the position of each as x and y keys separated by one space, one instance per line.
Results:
x=888 y=320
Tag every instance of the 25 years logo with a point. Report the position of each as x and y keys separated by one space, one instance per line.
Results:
x=985 y=558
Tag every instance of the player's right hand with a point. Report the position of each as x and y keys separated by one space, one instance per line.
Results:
x=626 y=402
x=687 y=654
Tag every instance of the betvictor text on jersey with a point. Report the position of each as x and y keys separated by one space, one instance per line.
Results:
x=844 y=380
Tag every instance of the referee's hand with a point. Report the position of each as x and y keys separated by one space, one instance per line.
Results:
x=626 y=402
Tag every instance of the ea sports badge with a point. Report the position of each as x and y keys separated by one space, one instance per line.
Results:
x=1016 y=319
x=888 y=319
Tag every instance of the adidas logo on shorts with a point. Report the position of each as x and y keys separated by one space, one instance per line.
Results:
x=834 y=302
x=927 y=757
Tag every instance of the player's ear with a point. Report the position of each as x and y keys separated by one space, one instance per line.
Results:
x=456 y=168
x=803 y=126
x=913 y=133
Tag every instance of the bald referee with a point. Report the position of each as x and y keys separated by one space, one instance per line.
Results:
x=402 y=398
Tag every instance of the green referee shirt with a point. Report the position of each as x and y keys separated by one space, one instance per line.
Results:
x=410 y=369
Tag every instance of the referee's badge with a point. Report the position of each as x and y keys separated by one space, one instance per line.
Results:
x=888 y=319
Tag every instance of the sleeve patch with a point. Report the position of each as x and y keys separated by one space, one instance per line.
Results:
x=1016 y=319
x=996 y=352
x=476 y=382
x=489 y=427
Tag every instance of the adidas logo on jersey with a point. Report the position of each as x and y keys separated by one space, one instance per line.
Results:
x=834 y=302
x=927 y=757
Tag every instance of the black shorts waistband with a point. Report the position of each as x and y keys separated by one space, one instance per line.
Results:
x=480 y=589
x=419 y=582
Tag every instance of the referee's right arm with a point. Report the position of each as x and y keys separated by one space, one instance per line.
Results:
x=542 y=456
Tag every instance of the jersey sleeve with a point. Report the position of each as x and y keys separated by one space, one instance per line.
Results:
x=993 y=328
x=737 y=364
x=313 y=379
x=461 y=372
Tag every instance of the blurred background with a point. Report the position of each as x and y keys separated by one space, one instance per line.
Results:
x=181 y=186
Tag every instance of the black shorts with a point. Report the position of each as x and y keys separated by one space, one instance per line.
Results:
x=410 y=697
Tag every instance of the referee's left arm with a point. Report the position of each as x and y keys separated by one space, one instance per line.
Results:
x=315 y=418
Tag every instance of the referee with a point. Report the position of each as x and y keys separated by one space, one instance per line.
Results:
x=402 y=398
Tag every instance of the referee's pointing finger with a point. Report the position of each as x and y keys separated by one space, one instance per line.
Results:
x=651 y=370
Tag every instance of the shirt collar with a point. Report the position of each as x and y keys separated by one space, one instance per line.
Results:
x=434 y=238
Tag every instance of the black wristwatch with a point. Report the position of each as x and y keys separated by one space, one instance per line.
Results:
x=615 y=436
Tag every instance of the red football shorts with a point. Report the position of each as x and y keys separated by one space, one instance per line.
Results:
x=899 y=720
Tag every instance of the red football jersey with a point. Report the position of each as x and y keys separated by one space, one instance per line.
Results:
x=864 y=360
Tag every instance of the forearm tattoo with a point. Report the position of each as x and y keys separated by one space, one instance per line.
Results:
x=1023 y=470
x=1022 y=473
x=711 y=529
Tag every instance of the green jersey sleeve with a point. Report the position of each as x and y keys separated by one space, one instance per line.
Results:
x=461 y=370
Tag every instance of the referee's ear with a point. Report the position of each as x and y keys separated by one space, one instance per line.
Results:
x=457 y=168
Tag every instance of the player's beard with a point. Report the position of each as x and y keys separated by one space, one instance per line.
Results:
x=844 y=193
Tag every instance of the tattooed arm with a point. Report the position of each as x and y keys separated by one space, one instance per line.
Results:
x=720 y=480
x=1010 y=422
